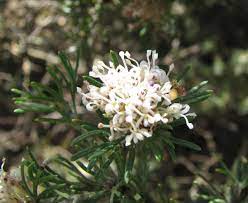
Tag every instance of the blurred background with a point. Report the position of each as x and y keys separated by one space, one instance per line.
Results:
x=209 y=35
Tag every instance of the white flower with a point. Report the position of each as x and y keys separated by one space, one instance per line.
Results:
x=134 y=96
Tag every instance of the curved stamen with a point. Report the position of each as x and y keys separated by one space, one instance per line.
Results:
x=190 y=125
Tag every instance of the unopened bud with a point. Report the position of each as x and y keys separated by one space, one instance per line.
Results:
x=100 y=125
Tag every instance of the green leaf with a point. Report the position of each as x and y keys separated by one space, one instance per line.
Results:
x=80 y=138
x=30 y=171
x=88 y=170
x=157 y=150
x=35 y=107
x=19 y=111
x=17 y=91
x=77 y=60
x=98 y=153
x=59 y=81
x=170 y=146
x=198 y=97
x=88 y=127
x=106 y=165
x=143 y=31
x=88 y=151
x=66 y=63
x=51 y=120
x=185 y=143
x=40 y=87
x=171 y=152
x=184 y=72
x=114 y=57
x=24 y=182
x=198 y=87
x=83 y=125
x=96 y=196
x=92 y=81
x=129 y=163
x=228 y=172
x=48 y=178
x=194 y=97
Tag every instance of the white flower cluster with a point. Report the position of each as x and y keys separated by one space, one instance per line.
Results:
x=135 y=96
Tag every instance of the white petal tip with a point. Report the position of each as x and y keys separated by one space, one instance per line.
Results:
x=79 y=90
x=190 y=126
x=127 y=144
x=149 y=52
x=121 y=53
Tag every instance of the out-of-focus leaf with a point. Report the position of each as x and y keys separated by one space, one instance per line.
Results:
x=198 y=87
x=184 y=73
x=195 y=97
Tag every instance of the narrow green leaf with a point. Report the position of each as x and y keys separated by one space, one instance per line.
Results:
x=32 y=156
x=98 y=153
x=92 y=164
x=80 y=138
x=114 y=57
x=84 y=125
x=194 y=97
x=24 y=182
x=129 y=163
x=57 y=80
x=185 y=143
x=198 y=87
x=88 y=127
x=35 y=107
x=171 y=152
x=157 y=151
x=19 y=111
x=92 y=81
x=143 y=31
x=30 y=171
x=55 y=71
x=45 y=88
x=198 y=99
x=17 y=91
x=50 y=120
x=66 y=63
x=168 y=142
x=88 y=170
x=170 y=147
x=228 y=172
x=88 y=151
x=77 y=61
x=184 y=72
x=48 y=178
x=106 y=165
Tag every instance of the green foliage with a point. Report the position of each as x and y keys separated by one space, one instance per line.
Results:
x=98 y=168
x=41 y=98
x=235 y=188
x=208 y=35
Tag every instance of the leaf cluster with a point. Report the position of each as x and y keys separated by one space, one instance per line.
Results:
x=235 y=188
x=98 y=168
